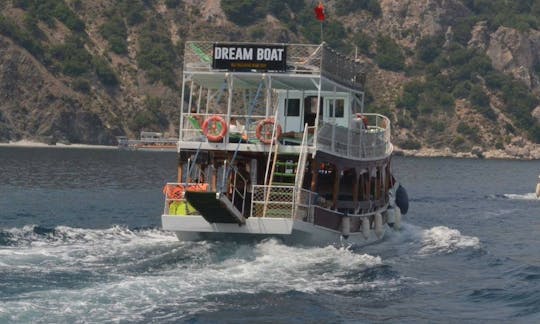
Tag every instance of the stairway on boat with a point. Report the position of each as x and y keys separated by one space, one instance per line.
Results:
x=285 y=171
x=279 y=197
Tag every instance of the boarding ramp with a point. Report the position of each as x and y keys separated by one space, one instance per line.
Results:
x=215 y=207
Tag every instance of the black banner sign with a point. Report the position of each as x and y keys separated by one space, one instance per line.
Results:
x=247 y=57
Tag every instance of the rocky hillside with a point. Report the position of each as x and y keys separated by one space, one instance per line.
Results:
x=454 y=75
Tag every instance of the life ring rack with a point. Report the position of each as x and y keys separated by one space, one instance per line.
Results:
x=214 y=128
x=264 y=130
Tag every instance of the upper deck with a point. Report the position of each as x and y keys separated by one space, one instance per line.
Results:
x=238 y=89
x=315 y=60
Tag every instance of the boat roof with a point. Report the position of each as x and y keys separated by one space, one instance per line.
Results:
x=303 y=67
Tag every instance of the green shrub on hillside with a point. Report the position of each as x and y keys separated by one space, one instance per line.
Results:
x=72 y=58
x=283 y=10
x=459 y=143
x=468 y=131
x=31 y=25
x=82 y=85
x=410 y=144
x=47 y=10
x=520 y=103
x=462 y=90
x=151 y=117
x=172 y=3
x=362 y=41
x=521 y=15
x=345 y=7
x=247 y=12
x=104 y=72
x=21 y=37
x=389 y=55
x=132 y=10
x=429 y=48
x=157 y=54
x=115 y=32
x=461 y=29
x=411 y=96
x=244 y=12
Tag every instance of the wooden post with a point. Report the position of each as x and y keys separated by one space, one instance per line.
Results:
x=213 y=177
x=335 y=191
x=314 y=175
x=355 y=189
x=180 y=170
x=377 y=183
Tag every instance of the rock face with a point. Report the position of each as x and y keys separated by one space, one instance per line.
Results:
x=511 y=51
x=515 y=52
x=420 y=18
x=39 y=102
x=35 y=104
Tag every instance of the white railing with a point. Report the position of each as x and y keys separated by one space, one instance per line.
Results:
x=273 y=201
x=301 y=58
x=241 y=127
x=238 y=190
x=369 y=142
x=285 y=202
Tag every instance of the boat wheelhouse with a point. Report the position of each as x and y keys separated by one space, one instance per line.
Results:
x=273 y=140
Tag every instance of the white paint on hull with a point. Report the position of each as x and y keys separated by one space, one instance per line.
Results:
x=193 y=228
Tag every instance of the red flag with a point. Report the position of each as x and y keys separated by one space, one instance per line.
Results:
x=319 y=12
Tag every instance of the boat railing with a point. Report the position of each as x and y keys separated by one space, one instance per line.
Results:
x=301 y=59
x=342 y=69
x=273 y=201
x=285 y=202
x=306 y=202
x=238 y=188
x=240 y=127
x=369 y=141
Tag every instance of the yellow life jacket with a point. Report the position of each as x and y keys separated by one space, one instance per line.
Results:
x=181 y=208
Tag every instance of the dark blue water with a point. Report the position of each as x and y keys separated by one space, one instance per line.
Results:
x=80 y=242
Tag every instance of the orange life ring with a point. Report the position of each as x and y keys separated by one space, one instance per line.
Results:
x=215 y=128
x=264 y=130
x=173 y=191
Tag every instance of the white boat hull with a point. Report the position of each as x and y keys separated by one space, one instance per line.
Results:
x=194 y=228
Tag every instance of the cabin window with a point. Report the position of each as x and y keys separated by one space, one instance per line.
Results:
x=339 y=110
x=310 y=109
x=293 y=107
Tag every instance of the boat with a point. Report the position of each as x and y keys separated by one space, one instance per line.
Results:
x=274 y=142
x=538 y=188
x=148 y=141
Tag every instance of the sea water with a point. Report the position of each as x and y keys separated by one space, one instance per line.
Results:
x=80 y=242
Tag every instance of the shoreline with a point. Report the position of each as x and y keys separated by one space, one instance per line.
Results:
x=33 y=144
x=475 y=154
x=422 y=152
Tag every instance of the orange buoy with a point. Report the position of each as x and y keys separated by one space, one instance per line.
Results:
x=215 y=128
x=264 y=131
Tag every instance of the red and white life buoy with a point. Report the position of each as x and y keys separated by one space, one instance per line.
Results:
x=215 y=128
x=264 y=131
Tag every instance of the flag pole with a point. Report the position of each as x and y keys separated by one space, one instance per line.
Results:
x=322 y=39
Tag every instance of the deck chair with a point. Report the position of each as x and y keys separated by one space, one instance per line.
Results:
x=196 y=126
